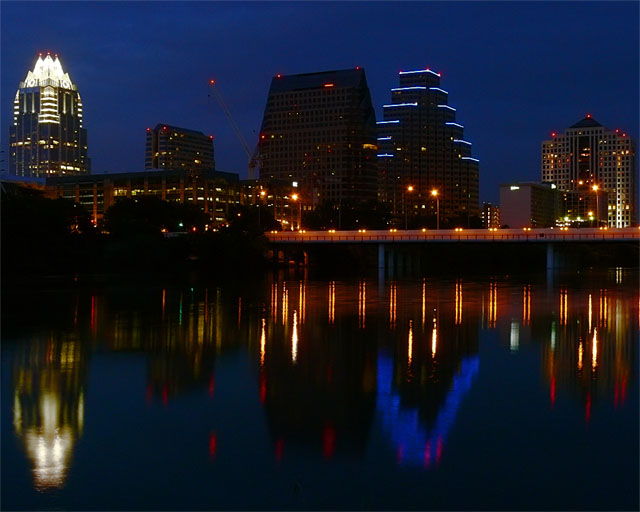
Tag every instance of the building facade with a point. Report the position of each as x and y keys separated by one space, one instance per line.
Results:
x=490 y=215
x=47 y=137
x=171 y=148
x=421 y=149
x=319 y=132
x=589 y=159
x=214 y=192
x=529 y=205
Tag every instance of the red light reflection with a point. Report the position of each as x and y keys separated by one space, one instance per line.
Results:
x=328 y=441
x=213 y=444
x=427 y=454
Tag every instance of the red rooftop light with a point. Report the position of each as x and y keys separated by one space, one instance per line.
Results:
x=624 y=134
x=212 y=81
x=617 y=130
x=357 y=67
x=553 y=134
x=164 y=127
x=211 y=137
x=588 y=116
x=278 y=75
x=148 y=129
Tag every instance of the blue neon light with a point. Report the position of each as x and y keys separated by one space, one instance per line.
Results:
x=463 y=141
x=385 y=155
x=454 y=124
x=438 y=89
x=401 y=105
x=419 y=71
x=387 y=122
x=384 y=138
x=447 y=106
x=469 y=158
x=417 y=87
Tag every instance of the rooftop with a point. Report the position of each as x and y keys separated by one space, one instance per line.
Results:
x=323 y=79
x=587 y=122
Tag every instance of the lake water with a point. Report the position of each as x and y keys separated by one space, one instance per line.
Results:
x=290 y=392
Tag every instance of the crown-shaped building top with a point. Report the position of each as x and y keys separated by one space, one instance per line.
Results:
x=48 y=71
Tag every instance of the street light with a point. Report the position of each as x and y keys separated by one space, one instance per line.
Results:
x=434 y=193
x=262 y=194
x=409 y=189
x=295 y=198
x=595 y=189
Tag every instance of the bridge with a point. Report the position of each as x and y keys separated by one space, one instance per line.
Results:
x=392 y=244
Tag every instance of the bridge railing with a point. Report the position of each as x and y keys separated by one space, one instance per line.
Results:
x=450 y=235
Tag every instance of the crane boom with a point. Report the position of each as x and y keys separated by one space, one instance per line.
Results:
x=251 y=155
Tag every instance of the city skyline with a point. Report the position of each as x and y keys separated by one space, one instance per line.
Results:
x=513 y=81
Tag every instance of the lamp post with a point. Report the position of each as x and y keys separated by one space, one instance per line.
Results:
x=262 y=194
x=297 y=199
x=434 y=193
x=406 y=222
x=595 y=189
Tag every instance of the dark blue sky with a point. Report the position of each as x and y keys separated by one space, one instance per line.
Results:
x=514 y=71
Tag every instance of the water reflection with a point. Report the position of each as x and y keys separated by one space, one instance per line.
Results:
x=350 y=356
x=49 y=376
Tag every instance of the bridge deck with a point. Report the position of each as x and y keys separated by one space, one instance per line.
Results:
x=450 y=235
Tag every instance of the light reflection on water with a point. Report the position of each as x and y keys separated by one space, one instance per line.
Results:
x=342 y=368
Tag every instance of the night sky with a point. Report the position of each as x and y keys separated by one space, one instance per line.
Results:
x=515 y=72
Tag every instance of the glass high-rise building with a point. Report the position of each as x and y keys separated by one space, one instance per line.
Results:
x=319 y=132
x=178 y=149
x=592 y=161
x=47 y=137
x=421 y=149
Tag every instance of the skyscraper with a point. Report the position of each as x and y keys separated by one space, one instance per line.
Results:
x=589 y=158
x=178 y=149
x=421 y=149
x=47 y=137
x=319 y=131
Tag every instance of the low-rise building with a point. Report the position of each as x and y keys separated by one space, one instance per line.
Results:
x=490 y=215
x=528 y=204
x=214 y=192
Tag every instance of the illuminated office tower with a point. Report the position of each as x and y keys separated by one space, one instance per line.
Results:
x=177 y=149
x=593 y=162
x=47 y=137
x=319 y=131
x=421 y=149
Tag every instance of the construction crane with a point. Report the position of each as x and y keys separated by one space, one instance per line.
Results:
x=253 y=156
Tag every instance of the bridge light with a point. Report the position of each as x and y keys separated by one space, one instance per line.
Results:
x=434 y=192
